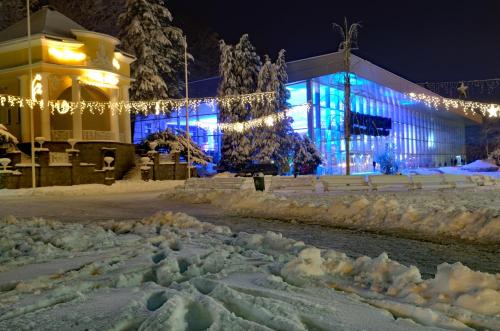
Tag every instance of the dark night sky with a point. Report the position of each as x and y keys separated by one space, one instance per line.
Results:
x=436 y=40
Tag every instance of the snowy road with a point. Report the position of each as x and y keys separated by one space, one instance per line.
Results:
x=134 y=206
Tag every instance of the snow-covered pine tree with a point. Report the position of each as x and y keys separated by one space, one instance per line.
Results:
x=95 y=15
x=12 y=11
x=266 y=142
x=239 y=71
x=274 y=143
x=146 y=31
x=284 y=128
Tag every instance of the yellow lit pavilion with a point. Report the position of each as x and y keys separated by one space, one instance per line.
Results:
x=69 y=63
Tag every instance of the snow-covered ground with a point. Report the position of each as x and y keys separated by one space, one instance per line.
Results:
x=470 y=214
x=172 y=272
x=460 y=171
x=121 y=186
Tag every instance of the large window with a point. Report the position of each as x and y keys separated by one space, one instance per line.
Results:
x=421 y=137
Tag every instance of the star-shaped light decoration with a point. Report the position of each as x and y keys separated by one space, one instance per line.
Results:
x=493 y=111
x=462 y=90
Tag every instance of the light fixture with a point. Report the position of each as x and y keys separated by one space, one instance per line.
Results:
x=64 y=54
x=100 y=79
x=116 y=64
x=36 y=87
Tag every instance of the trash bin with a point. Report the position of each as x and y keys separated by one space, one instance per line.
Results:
x=258 y=181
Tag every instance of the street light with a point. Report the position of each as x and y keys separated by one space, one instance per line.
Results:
x=187 y=108
x=32 y=117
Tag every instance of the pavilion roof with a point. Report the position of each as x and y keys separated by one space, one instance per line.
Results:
x=46 y=21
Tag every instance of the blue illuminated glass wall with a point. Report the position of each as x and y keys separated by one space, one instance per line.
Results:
x=420 y=136
x=202 y=127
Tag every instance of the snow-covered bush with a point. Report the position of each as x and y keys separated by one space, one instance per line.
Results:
x=495 y=156
x=387 y=160
x=306 y=157
x=177 y=143
x=7 y=138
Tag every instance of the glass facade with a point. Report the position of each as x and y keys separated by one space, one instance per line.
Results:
x=420 y=135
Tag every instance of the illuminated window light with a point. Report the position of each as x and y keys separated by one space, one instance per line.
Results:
x=116 y=64
x=100 y=79
x=36 y=87
x=67 y=55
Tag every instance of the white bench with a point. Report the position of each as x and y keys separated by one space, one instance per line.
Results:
x=301 y=183
x=344 y=183
x=224 y=184
x=430 y=182
x=459 y=181
x=390 y=182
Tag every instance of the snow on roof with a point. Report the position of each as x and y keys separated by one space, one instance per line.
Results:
x=46 y=21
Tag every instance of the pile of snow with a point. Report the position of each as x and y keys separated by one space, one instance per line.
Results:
x=224 y=175
x=480 y=166
x=172 y=272
x=121 y=186
x=466 y=215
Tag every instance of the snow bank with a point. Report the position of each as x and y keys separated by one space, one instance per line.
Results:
x=172 y=272
x=466 y=215
x=93 y=189
x=480 y=166
x=449 y=298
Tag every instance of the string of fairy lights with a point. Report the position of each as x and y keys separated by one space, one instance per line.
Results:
x=268 y=120
x=155 y=107
x=468 y=107
x=165 y=107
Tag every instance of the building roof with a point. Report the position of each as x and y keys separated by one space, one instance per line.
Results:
x=334 y=62
x=322 y=65
x=328 y=64
x=46 y=21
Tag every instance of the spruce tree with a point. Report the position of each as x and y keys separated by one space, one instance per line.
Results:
x=239 y=71
x=146 y=31
x=306 y=157
x=273 y=143
x=12 y=11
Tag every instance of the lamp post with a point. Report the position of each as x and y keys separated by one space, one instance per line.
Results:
x=32 y=117
x=187 y=109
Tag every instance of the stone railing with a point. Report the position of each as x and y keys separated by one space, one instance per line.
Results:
x=61 y=135
x=172 y=169
x=49 y=173
x=64 y=135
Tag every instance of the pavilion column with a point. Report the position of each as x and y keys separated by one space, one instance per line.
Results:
x=25 y=111
x=114 y=120
x=125 y=116
x=77 y=113
x=45 y=111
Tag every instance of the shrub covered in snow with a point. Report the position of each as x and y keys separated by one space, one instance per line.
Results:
x=177 y=143
x=7 y=138
x=306 y=157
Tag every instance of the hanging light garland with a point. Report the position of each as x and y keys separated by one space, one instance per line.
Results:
x=468 y=107
x=156 y=107
x=268 y=120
